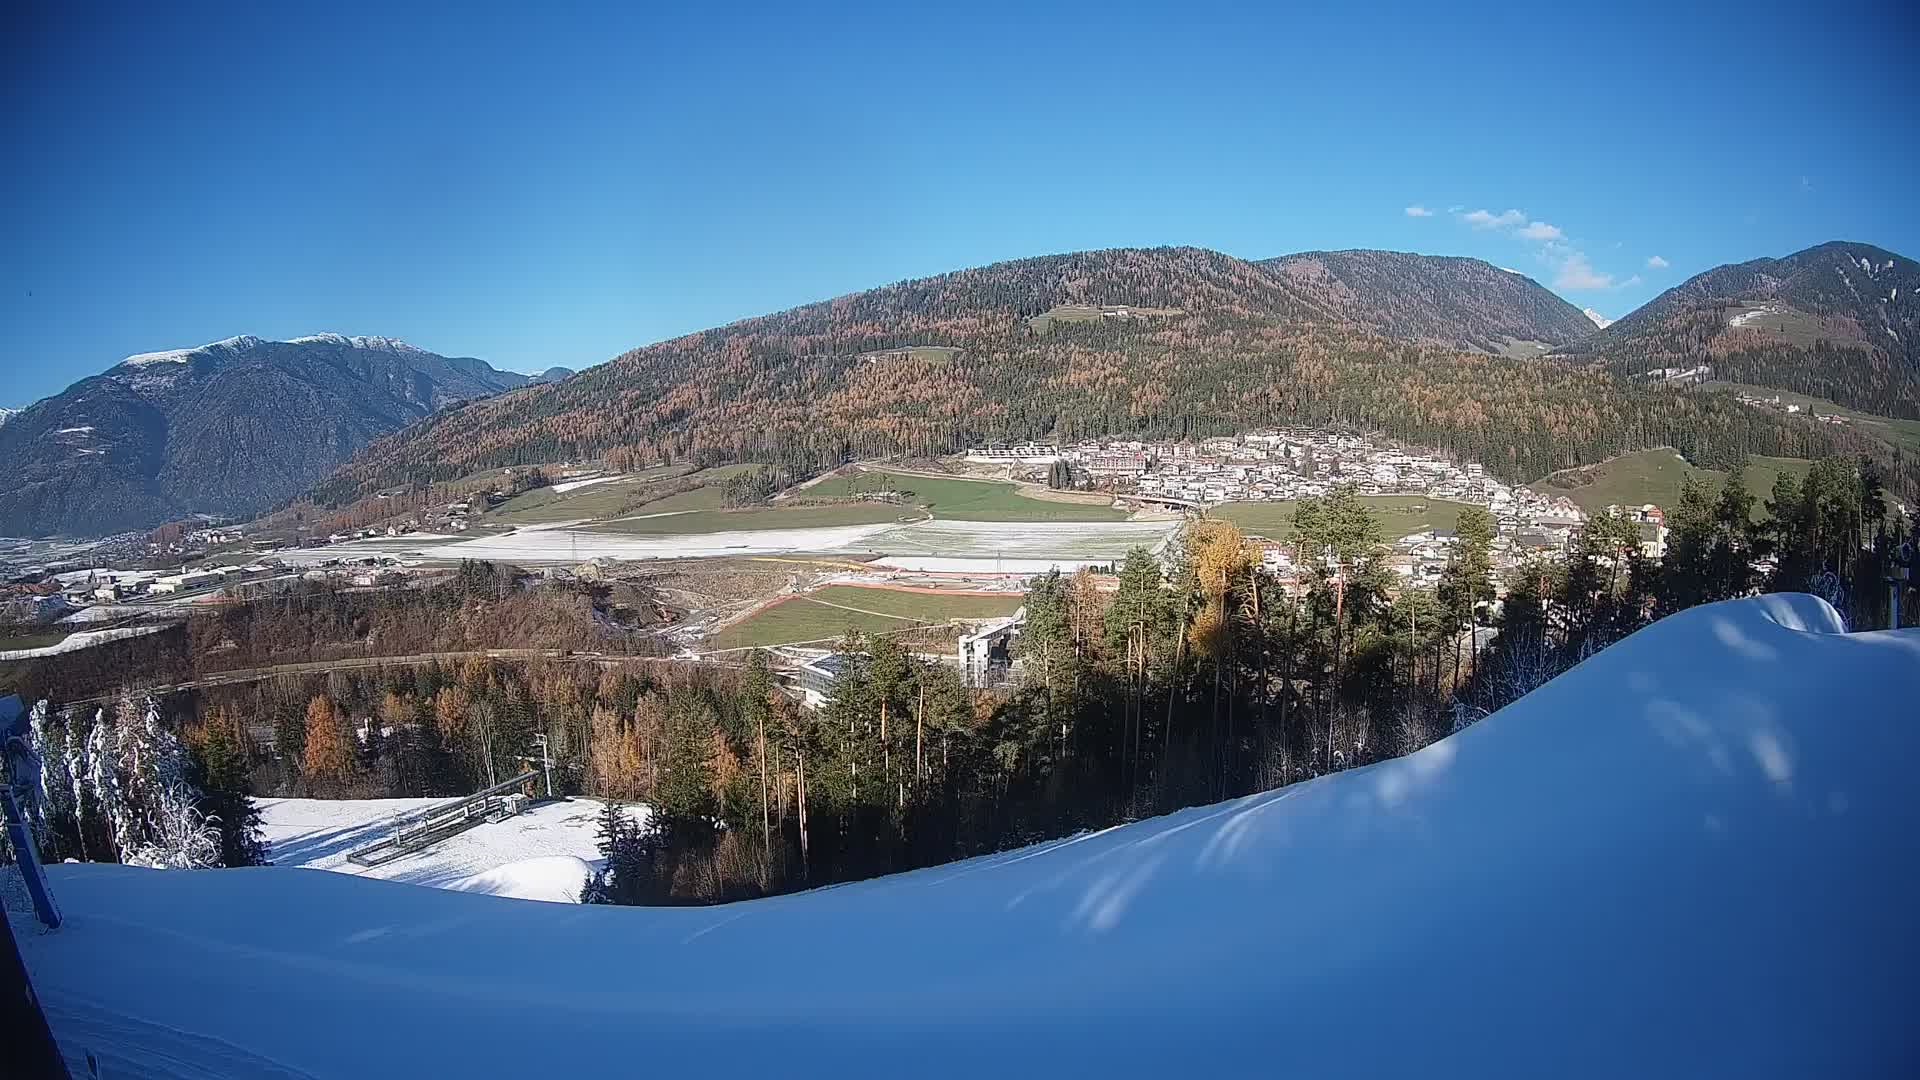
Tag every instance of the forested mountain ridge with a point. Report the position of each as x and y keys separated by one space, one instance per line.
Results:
x=226 y=428
x=1148 y=342
x=1840 y=320
x=1435 y=299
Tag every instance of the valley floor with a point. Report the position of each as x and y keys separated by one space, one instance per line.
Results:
x=1681 y=858
x=1009 y=546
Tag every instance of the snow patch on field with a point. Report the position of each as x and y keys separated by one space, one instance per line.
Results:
x=82 y=640
x=562 y=544
x=506 y=858
x=936 y=565
x=555 y=879
x=575 y=485
x=980 y=544
x=1046 y=543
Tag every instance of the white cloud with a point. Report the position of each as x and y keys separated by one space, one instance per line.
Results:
x=1572 y=269
x=1487 y=219
x=1655 y=262
x=1575 y=272
x=1417 y=210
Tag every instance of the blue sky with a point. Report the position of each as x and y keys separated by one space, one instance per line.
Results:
x=539 y=189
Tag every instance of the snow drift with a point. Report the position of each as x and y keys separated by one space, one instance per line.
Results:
x=1691 y=855
x=556 y=879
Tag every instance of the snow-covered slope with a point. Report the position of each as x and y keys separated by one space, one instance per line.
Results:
x=530 y=856
x=1599 y=321
x=1690 y=856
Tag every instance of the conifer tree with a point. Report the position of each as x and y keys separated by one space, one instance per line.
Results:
x=227 y=795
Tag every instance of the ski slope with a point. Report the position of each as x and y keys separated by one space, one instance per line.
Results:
x=545 y=853
x=1690 y=856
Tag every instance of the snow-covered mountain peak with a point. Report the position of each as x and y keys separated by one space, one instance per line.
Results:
x=1599 y=320
x=179 y=356
x=244 y=342
x=386 y=344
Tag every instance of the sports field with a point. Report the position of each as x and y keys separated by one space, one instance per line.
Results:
x=1400 y=515
x=828 y=613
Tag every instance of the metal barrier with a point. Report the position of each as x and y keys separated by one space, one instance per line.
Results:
x=26 y=861
x=409 y=833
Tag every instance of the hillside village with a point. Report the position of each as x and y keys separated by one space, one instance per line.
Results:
x=1775 y=403
x=1298 y=463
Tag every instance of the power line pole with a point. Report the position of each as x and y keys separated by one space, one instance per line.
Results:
x=546 y=760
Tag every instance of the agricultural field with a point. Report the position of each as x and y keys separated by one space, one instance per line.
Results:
x=919 y=605
x=708 y=496
x=588 y=500
x=926 y=354
x=825 y=614
x=963 y=500
x=1084 y=313
x=1400 y=515
x=1904 y=434
x=1654 y=476
x=692 y=522
x=1779 y=322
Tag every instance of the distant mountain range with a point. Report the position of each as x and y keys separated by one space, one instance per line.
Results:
x=1434 y=299
x=8 y=414
x=1166 y=342
x=1840 y=321
x=228 y=428
x=1445 y=352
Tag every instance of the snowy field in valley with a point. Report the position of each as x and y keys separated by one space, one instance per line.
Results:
x=1039 y=543
x=953 y=545
x=84 y=639
x=543 y=854
x=1687 y=857
x=574 y=485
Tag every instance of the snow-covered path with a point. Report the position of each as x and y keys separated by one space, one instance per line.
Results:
x=1690 y=856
